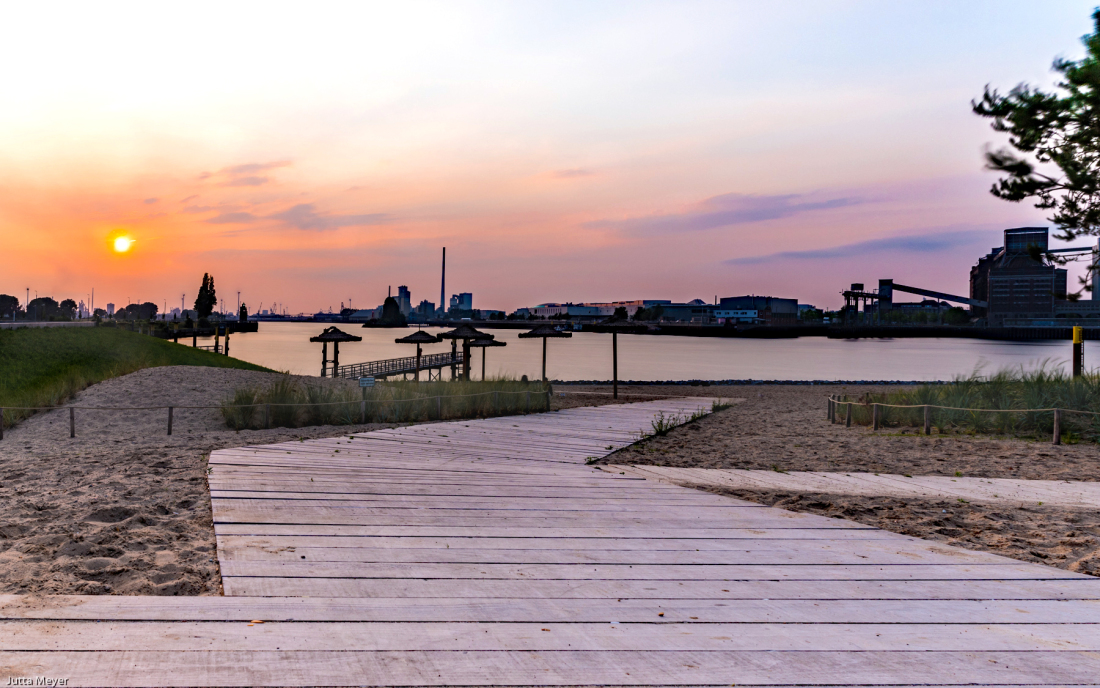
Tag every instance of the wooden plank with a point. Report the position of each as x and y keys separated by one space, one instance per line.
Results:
x=503 y=609
x=616 y=636
x=719 y=592
x=559 y=668
x=471 y=553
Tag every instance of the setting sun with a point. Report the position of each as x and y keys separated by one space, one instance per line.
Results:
x=123 y=244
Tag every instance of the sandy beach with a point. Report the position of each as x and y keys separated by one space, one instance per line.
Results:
x=122 y=508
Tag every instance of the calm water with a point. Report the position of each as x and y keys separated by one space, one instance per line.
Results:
x=587 y=356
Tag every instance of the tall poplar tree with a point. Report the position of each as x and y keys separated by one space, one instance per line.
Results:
x=207 y=298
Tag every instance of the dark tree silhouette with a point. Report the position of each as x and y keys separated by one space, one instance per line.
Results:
x=1054 y=142
x=207 y=297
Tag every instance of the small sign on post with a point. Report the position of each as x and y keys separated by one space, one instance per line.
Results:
x=367 y=381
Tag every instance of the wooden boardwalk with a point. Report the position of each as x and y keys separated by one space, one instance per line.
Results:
x=488 y=553
x=1075 y=494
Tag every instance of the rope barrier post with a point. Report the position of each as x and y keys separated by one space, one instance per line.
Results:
x=927 y=419
x=848 y=416
x=1057 y=426
x=169 y=421
x=72 y=422
x=874 y=417
x=829 y=409
x=267 y=416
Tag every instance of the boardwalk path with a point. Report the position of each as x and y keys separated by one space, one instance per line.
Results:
x=1063 y=493
x=487 y=553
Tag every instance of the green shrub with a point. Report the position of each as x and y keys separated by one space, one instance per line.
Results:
x=291 y=402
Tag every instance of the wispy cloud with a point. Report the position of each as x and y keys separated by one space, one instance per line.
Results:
x=232 y=219
x=247 y=181
x=151 y=201
x=573 y=173
x=301 y=216
x=725 y=211
x=254 y=167
x=247 y=174
x=910 y=243
x=305 y=216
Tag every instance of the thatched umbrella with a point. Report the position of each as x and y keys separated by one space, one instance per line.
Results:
x=544 y=331
x=419 y=337
x=467 y=334
x=484 y=344
x=334 y=335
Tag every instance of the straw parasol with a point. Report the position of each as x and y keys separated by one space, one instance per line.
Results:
x=484 y=344
x=467 y=334
x=334 y=335
x=545 y=332
x=419 y=337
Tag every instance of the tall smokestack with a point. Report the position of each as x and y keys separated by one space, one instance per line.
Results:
x=443 y=283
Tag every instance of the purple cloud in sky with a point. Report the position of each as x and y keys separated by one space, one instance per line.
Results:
x=910 y=243
x=725 y=211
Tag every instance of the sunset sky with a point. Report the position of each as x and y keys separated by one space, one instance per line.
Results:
x=312 y=153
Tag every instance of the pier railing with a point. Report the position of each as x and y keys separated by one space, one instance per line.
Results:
x=397 y=366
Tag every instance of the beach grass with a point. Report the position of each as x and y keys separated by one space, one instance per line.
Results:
x=293 y=403
x=1011 y=401
x=43 y=367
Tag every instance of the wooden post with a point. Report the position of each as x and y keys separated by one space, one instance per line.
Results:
x=829 y=409
x=72 y=422
x=483 y=363
x=217 y=338
x=927 y=419
x=1057 y=426
x=267 y=416
x=466 y=360
x=848 y=416
x=1078 y=350
x=194 y=339
x=544 y=366
x=324 y=358
x=227 y=340
x=418 y=366
x=874 y=417
x=614 y=365
x=335 y=358
x=832 y=408
x=454 y=357
x=170 y=421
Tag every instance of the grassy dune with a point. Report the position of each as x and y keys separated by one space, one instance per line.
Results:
x=46 y=366
x=293 y=403
x=1004 y=403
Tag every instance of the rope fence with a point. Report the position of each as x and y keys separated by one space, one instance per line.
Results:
x=495 y=394
x=835 y=403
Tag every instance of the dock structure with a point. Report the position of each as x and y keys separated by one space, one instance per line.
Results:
x=487 y=553
x=407 y=365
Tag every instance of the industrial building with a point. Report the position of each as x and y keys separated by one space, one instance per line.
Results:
x=769 y=309
x=1020 y=287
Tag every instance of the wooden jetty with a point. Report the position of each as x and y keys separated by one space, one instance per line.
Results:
x=406 y=365
x=486 y=553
